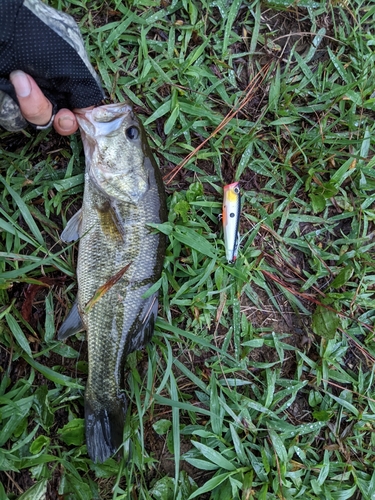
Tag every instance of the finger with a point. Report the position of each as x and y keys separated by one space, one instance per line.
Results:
x=35 y=107
x=65 y=122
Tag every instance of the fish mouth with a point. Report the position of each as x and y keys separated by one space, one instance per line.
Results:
x=104 y=119
x=110 y=112
x=106 y=112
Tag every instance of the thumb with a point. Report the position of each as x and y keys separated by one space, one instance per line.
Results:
x=35 y=107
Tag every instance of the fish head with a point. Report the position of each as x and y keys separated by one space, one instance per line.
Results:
x=115 y=150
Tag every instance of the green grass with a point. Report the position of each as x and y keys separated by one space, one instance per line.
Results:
x=258 y=383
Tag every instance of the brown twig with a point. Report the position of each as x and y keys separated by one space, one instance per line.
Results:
x=255 y=82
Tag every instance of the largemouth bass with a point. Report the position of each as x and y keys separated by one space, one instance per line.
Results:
x=119 y=259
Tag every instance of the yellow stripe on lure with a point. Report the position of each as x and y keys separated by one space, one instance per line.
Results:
x=231 y=220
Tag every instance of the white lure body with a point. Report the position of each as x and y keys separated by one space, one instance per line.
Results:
x=231 y=220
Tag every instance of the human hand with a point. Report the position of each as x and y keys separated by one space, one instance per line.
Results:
x=44 y=68
x=36 y=108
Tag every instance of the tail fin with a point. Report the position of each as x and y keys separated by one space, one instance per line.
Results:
x=104 y=428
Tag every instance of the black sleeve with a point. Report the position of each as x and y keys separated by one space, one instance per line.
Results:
x=46 y=44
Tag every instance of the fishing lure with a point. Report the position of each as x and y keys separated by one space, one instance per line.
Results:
x=231 y=220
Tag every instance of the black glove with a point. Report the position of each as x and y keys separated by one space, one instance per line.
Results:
x=47 y=45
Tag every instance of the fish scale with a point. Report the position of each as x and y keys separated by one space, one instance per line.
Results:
x=99 y=319
x=123 y=194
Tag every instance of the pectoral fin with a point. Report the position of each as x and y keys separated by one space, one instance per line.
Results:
x=72 y=324
x=72 y=231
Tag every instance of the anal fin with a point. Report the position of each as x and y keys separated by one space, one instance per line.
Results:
x=72 y=324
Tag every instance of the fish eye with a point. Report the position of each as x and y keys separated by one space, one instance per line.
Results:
x=132 y=133
x=236 y=190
